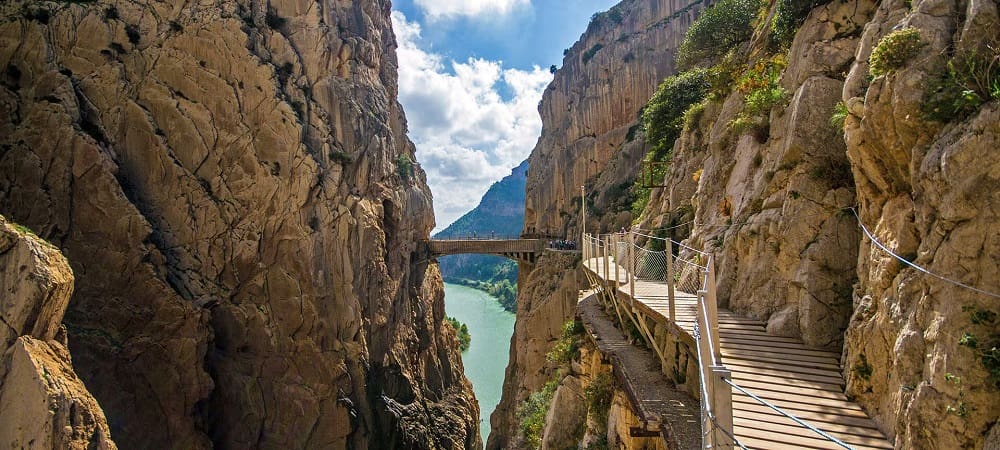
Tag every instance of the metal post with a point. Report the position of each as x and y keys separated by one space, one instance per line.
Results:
x=583 y=210
x=712 y=307
x=606 y=242
x=722 y=406
x=670 y=281
x=614 y=248
x=631 y=265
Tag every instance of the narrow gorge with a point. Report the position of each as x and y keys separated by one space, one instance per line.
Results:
x=215 y=230
x=232 y=185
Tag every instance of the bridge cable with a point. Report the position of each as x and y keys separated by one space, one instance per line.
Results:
x=782 y=412
x=919 y=268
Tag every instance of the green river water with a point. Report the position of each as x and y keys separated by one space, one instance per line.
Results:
x=486 y=359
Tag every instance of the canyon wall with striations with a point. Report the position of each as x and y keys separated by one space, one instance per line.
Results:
x=233 y=187
x=773 y=194
x=590 y=116
x=546 y=299
x=43 y=404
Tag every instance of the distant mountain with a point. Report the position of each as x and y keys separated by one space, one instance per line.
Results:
x=500 y=212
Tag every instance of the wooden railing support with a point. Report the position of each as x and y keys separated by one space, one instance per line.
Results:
x=631 y=268
x=606 y=241
x=712 y=309
x=670 y=282
x=722 y=406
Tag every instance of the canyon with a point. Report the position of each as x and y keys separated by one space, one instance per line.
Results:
x=232 y=185
x=222 y=216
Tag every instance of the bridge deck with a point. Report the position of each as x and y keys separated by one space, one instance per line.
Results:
x=803 y=381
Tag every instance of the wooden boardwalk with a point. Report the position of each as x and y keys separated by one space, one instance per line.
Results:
x=804 y=381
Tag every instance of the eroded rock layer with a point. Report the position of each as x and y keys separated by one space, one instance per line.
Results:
x=546 y=299
x=43 y=404
x=233 y=187
x=590 y=115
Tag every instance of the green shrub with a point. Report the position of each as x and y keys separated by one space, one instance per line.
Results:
x=761 y=93
x=532 y=413
x=598 y=395
x=894 y=51
x=693 y=114
x=342 y=158
x=717 y=30
x=839 y=115
x=968 y=80
x=404 y=166
x=567 y=348
x=788 y=16
x=663 y=117
x=462 y=331
x=587 y=55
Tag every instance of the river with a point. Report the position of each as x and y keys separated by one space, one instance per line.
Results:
x=486 y=359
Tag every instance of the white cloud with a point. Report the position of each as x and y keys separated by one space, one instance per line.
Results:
x=436 y=9
x=467 y=134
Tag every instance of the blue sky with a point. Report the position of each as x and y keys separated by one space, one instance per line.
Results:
x=471 y=74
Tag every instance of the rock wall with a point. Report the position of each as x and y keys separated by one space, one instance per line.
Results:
x=774 y=203
x=928 y=191
x=590 y=115
x=232 y=184
x=546 y=299
x=769 y=203
x=43 y=404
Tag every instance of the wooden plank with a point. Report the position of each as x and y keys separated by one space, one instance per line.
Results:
x=797 y=350
x=753 y=366
x=807 y=436
x=765 y=384
x=806 y=402
x=812 y=361
x=829 y=427
x=790 y=405
x=780 y=362
x=779 y=380
x=843 y=417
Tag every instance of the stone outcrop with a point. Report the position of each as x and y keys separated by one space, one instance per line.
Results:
x=232 y=184
x=775 y=203
x=43 y=404
x=590 y=115
x=546 y=299
x=928 y=191
x=770 y=203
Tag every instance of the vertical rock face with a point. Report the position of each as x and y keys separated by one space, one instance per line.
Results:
x=43 y=405
x=232 y=184
x=769 y=204
x=590 y=115
x=929 y=192
x=546 y=299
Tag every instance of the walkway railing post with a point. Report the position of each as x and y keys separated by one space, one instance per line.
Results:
x=606 y=241
x=614 y=248
x=670 y=280
x=722 y=406
x=631 y=267
x=712 y=307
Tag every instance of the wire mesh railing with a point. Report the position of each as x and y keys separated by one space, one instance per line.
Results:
x=679 y=268
x=619 y=257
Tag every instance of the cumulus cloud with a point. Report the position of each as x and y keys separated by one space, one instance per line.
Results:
x=436 y=9
x=467 y=134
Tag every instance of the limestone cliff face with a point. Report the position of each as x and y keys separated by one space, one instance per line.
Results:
x=590 y=115
x=773 y=204
x=232 y=185
x=546 y=299
x=43 y=404
x=929 y=191
x=769 y=203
